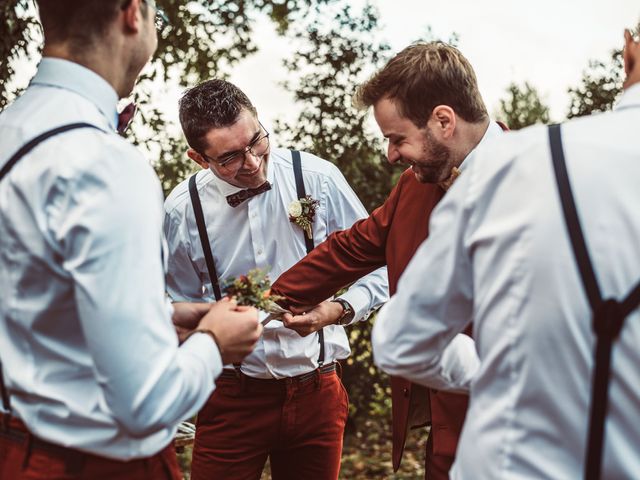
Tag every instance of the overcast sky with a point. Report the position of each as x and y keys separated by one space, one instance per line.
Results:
x=546 y=42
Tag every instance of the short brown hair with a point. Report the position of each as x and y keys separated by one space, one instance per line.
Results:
x=212 y=104
x=79 y=22
x=423 y=76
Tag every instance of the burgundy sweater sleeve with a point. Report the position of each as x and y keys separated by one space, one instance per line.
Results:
x=340 y=260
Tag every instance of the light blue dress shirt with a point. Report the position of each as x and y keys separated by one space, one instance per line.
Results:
x=89 y=353
x=258 y=233
x=501 y=254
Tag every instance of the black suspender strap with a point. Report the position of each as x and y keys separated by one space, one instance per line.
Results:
x=6 y=403
x=300 y=190
x=297 y=172
x=608 y=315
x=204 y=237
x=571 y=218
x=22 y=151
x=26 y=148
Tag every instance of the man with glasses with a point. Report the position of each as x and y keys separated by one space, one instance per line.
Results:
x=285 y=401
x=92 y=381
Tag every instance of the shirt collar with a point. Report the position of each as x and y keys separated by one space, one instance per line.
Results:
x=59 y=73
x=630 y=98
x=227 y=189
x=493 y=130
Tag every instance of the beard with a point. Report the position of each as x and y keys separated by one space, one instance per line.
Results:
x=435 y=164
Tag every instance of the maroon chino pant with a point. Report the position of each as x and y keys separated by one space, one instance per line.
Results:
x=25 y=457
x=297 y=422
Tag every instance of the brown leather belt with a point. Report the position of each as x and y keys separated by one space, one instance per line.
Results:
x=303 y=378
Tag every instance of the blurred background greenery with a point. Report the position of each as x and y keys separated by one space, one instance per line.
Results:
x=335 y=48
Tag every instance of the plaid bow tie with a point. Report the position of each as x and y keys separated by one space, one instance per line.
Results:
x=237 y=198
x=125 y=117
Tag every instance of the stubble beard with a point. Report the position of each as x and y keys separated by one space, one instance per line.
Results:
x=435 y=165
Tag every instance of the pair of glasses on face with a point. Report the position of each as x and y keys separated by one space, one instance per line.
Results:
x=161 y=19
x=234 y=161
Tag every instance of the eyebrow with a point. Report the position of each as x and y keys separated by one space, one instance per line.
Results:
x=393 y=138
x=234 y=152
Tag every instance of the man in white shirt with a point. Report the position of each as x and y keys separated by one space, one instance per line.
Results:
x=94 y=383
x=503 y=257
x=285 y=401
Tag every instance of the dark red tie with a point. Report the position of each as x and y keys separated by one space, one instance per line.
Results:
x=237 y=198
x=125 y=117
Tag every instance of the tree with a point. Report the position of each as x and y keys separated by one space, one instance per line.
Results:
x=336 y=54
x=204 y=40
x=20 y=34
x=599 y=88
x=522 y=107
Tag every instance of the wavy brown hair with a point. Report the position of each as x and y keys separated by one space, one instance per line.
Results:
x=423 y=76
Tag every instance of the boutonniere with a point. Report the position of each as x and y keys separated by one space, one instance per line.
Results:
x=254 y=290
x=446 y=184
x=302 y=212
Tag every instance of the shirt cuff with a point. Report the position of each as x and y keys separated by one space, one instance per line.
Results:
x=203 y=346
x=360 y=301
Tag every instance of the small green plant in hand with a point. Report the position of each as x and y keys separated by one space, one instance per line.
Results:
x=252 y=289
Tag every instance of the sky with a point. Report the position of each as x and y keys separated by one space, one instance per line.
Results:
x=545 y=42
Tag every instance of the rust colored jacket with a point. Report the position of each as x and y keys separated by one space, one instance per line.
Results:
x=390 y=236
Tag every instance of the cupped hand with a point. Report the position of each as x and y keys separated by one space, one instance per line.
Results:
x=312 y=319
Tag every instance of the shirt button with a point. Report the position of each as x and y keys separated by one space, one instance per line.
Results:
x=260 y=252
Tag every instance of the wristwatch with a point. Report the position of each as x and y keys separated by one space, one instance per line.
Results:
x=347 y=314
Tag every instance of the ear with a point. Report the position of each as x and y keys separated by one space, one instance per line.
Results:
x=196 y=157
x=443 y=121
x=132 y=16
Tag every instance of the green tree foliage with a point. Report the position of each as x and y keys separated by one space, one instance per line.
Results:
x=336 y=53
x=20 y=34
x=522 y=107
x=599 y=88
x=205 y=39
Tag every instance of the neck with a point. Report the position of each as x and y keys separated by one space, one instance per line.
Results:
x=107 y=64
x=470 y=135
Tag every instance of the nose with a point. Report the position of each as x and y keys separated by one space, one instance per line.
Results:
x=251 y=161
x=392 y=154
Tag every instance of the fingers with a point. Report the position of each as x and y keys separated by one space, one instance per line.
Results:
x=302 y=309
x=302 y=324
x=243 y=308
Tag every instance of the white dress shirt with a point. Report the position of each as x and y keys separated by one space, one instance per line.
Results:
x=90 y=356
x=502 y=256
x=258 y=234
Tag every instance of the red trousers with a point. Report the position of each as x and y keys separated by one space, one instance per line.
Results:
x=436 y=467
x=24 y=457
x=297 y=423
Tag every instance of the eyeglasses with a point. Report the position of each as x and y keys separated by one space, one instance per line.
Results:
x=161 y=19
x=235 y=161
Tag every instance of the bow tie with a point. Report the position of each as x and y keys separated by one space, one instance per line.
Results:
x=237 y=198
x=125 y=117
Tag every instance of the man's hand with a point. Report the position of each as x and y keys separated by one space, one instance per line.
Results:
x=315 y=318
x=236 y=329
x=186 y=315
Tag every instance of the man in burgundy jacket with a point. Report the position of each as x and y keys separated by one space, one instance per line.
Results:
x=427 y=104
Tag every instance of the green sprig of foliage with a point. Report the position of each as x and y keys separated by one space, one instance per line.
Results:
x=252 y=289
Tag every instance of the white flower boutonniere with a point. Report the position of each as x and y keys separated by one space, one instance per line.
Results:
x=302 y=212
